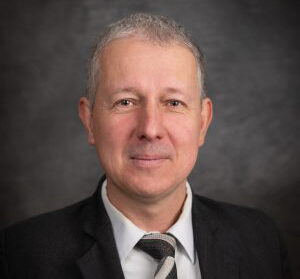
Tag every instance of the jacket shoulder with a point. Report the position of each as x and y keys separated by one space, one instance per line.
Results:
x=252 y=228
x=238 y=217
x=47 y=240
x=53 y=220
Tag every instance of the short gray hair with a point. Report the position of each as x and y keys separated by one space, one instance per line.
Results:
x=158 y=29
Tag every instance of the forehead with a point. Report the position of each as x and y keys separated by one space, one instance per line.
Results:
x=137 y=60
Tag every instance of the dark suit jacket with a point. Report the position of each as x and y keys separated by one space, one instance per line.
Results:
x=77 y=242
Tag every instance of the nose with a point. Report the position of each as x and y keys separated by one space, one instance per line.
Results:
x=149 y=123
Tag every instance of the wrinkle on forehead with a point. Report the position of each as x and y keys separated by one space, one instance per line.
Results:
x=171 y=65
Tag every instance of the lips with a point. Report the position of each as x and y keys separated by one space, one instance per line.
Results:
x=148 y=160
x=148 y=157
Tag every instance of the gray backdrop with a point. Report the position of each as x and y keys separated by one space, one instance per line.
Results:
x=251 y=154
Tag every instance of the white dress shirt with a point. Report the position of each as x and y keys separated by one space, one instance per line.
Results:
x=137 y=264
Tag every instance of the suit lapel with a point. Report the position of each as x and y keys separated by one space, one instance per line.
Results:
x=101 y=259
x=218 y=247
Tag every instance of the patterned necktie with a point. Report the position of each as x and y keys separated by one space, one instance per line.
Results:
x=161 y=247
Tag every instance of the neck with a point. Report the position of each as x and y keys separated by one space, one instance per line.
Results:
x=149 y=213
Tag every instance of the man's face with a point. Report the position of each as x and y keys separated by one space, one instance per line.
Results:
x=147 y=123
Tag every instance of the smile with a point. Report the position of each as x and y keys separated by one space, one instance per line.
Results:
x=148 y=161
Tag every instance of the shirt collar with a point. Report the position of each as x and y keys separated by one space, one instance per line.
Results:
x=183 y=228
x=127 y=234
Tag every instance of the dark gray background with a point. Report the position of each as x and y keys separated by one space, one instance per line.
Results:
x=251 y=156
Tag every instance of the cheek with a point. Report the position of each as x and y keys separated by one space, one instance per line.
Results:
x=112 y=133
x=184 y=132
x=185 y=136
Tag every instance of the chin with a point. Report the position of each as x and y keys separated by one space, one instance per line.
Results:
x=150 y=187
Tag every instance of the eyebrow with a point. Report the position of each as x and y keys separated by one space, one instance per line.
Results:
x=119 y=90
x=174 y=90
x=133 y=89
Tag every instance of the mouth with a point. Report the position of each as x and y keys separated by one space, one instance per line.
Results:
x=147 y=161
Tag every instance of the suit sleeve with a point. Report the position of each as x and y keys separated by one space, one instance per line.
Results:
x=281 y=246
x=285 y=264
x=3 y=265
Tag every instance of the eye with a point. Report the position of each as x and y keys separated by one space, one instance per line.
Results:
x=174 y=103
x=125 y=102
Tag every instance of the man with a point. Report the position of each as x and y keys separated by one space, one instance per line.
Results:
x=147 y=115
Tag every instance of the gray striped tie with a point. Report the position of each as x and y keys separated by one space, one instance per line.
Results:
x=161 y=247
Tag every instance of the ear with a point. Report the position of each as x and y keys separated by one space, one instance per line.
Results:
x=206 y=117
x=85 y=115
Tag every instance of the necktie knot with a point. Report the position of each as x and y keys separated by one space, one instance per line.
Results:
x=158 y=245
x=162 y=248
